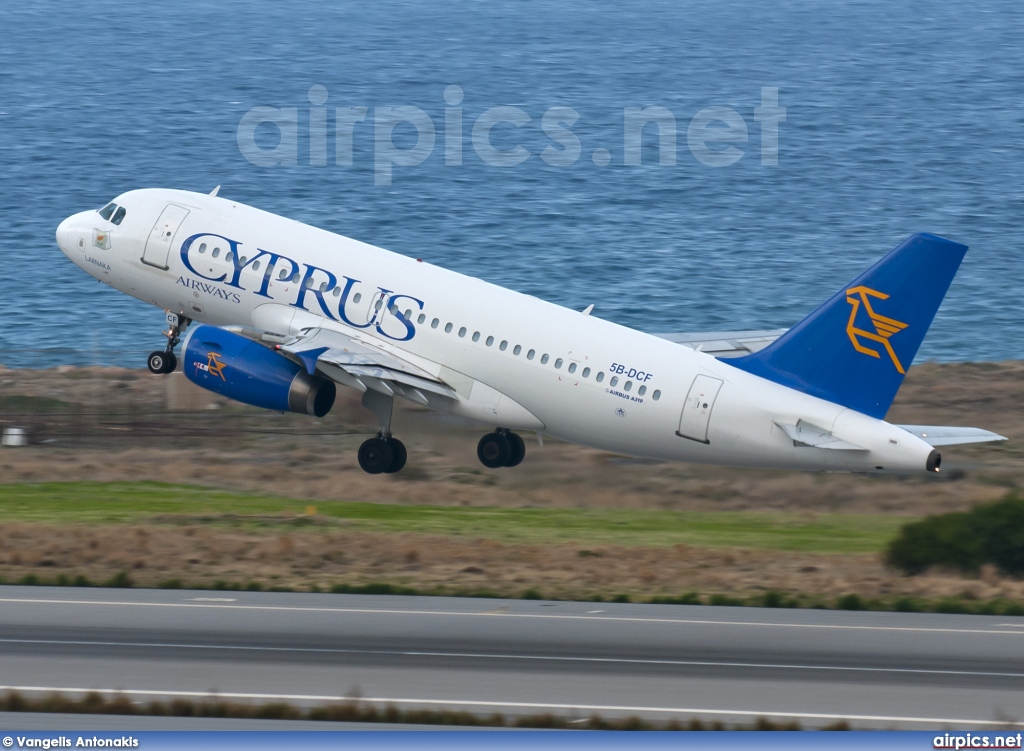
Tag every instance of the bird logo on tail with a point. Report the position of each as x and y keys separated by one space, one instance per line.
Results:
x=883 y=327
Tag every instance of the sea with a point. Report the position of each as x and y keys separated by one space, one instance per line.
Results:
x=683 y=165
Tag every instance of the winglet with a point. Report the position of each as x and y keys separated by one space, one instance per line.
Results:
x=309 y=358
x=856 y=348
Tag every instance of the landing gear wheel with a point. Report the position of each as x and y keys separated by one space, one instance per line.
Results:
x=161 y=362
x=494 y=450
x=375 y=456
x=518 y=450
x=398 y=456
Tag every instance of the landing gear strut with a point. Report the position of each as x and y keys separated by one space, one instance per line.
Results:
x=503 y=448
x=384 y=453
x=162 y=362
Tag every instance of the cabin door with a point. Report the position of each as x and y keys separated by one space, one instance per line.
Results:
x=693 y=422
x=158 y=246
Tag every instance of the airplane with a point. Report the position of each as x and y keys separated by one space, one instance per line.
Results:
x=275 y=313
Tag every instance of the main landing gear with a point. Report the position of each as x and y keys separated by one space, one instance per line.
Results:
x=503 y=448
x=384 y=453
x=163 y=362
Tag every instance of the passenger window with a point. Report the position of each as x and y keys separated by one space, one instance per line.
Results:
x=586 y=372
x=378 y=305
x=572 y=367
x=357 y=297
x=241 y=259
x=544 y=359
x=462 y=332
x=421 y=319
x=118 y=215
x=408 y=314
x=433 y=324
x=614 y=381
x=323 y=286
x=282 y=276
x=107 y=210
x=628 y=386
x=530 y=354
x=558 y=364
x=476 y=336
x=228 y=256
x=600 y=376
x=490 y=341
x=337 y=293
x=216 y=252
x=255 y=265
x=642 y=390
x=656 y=395
x=295 y=278
x=503 y=346
x=202 y=249
x=516 y=350
x=448 y=328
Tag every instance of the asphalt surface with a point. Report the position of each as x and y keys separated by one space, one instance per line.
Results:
x=518 y=657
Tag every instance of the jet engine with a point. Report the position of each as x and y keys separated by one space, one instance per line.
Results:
x=236 y=367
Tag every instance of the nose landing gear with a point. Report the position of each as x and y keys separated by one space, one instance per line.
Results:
x=165 y=361
x=503 y=448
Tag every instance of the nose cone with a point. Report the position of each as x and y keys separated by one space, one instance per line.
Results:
x=64 y=235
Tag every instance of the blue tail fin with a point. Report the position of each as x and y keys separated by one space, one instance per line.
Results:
x=856 y=348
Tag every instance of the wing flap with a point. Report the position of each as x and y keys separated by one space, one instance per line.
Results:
x=940 y=435
x=370 y=367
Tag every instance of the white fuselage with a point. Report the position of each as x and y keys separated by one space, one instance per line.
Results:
x=644 y=404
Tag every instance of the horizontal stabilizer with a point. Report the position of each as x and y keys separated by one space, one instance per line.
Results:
x=805 y=434
x=724 y=344
x=938 y=435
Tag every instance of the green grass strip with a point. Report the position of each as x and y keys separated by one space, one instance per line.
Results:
x=123 y=502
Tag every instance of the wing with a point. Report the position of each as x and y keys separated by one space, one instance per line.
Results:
x=938 y=435
x=725 y=344
x=355 y=363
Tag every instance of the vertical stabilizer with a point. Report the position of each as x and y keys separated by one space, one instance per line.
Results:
x=856 y=348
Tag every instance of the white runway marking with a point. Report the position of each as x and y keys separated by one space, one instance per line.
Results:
x=499 y=656
x=500 y=614
x=539 y=706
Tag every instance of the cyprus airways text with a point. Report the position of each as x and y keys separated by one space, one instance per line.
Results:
x=312 y=287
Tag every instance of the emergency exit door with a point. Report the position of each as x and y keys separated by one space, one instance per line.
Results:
x=158 y=246
x=693 y=422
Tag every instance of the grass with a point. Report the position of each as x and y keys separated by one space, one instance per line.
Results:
x=125 y=502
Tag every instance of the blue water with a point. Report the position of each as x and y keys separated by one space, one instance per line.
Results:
x=900 y=117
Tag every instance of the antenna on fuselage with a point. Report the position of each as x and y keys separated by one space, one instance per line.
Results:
x=215 y=191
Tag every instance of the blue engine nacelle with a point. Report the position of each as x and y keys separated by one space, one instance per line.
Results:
x=241 y=369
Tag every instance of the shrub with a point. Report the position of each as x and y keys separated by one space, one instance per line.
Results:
x=850 y=602
x=965 y=541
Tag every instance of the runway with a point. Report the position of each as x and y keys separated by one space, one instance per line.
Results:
x=519 y=656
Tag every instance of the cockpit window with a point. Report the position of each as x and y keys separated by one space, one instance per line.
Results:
x=107 y=210
x=119 y=215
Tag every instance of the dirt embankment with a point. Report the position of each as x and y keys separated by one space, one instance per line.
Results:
x=113 y=424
